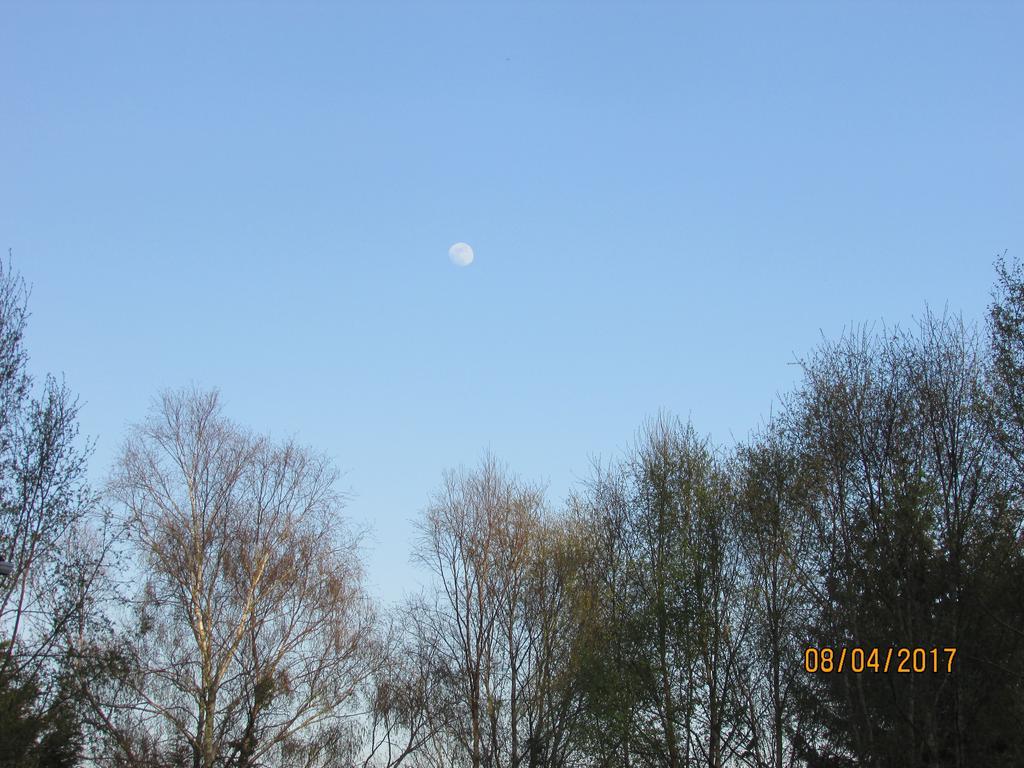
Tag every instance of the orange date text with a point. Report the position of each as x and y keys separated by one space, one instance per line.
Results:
x=899 y=660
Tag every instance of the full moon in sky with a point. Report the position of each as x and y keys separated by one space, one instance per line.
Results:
x=461 y=254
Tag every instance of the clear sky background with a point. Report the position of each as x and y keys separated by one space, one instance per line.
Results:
x=668 y=204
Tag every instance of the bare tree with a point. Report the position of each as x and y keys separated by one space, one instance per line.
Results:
x=476 y=540
x=250 y=625
x=408 y=701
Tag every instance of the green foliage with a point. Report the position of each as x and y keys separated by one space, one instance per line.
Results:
x=38 y=731
x=20 y=724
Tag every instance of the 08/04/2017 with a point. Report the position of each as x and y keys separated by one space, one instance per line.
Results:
x=857 y=659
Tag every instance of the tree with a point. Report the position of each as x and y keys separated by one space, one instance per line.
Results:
x=48 y=522
x=776 y=536
x=914 y=538
x=408 y=701
x=250 y=627
x=1002 y=602
x=1006 y=370
x=555 y=624
x=663 y=669
x=611 y=667
x=500 y=579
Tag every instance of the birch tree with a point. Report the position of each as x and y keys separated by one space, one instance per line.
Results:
x=477 y=540
x=250 y=625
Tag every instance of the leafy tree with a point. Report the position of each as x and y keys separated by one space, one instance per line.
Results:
x=662 y=671
x=908 y=502
x=776 y=537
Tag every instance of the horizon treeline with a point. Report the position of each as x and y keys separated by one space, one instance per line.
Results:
x=844 y=588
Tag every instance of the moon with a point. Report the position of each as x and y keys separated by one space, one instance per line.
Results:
x=461 y=254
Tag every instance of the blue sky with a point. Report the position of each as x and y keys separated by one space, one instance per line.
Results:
x=668 y=203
